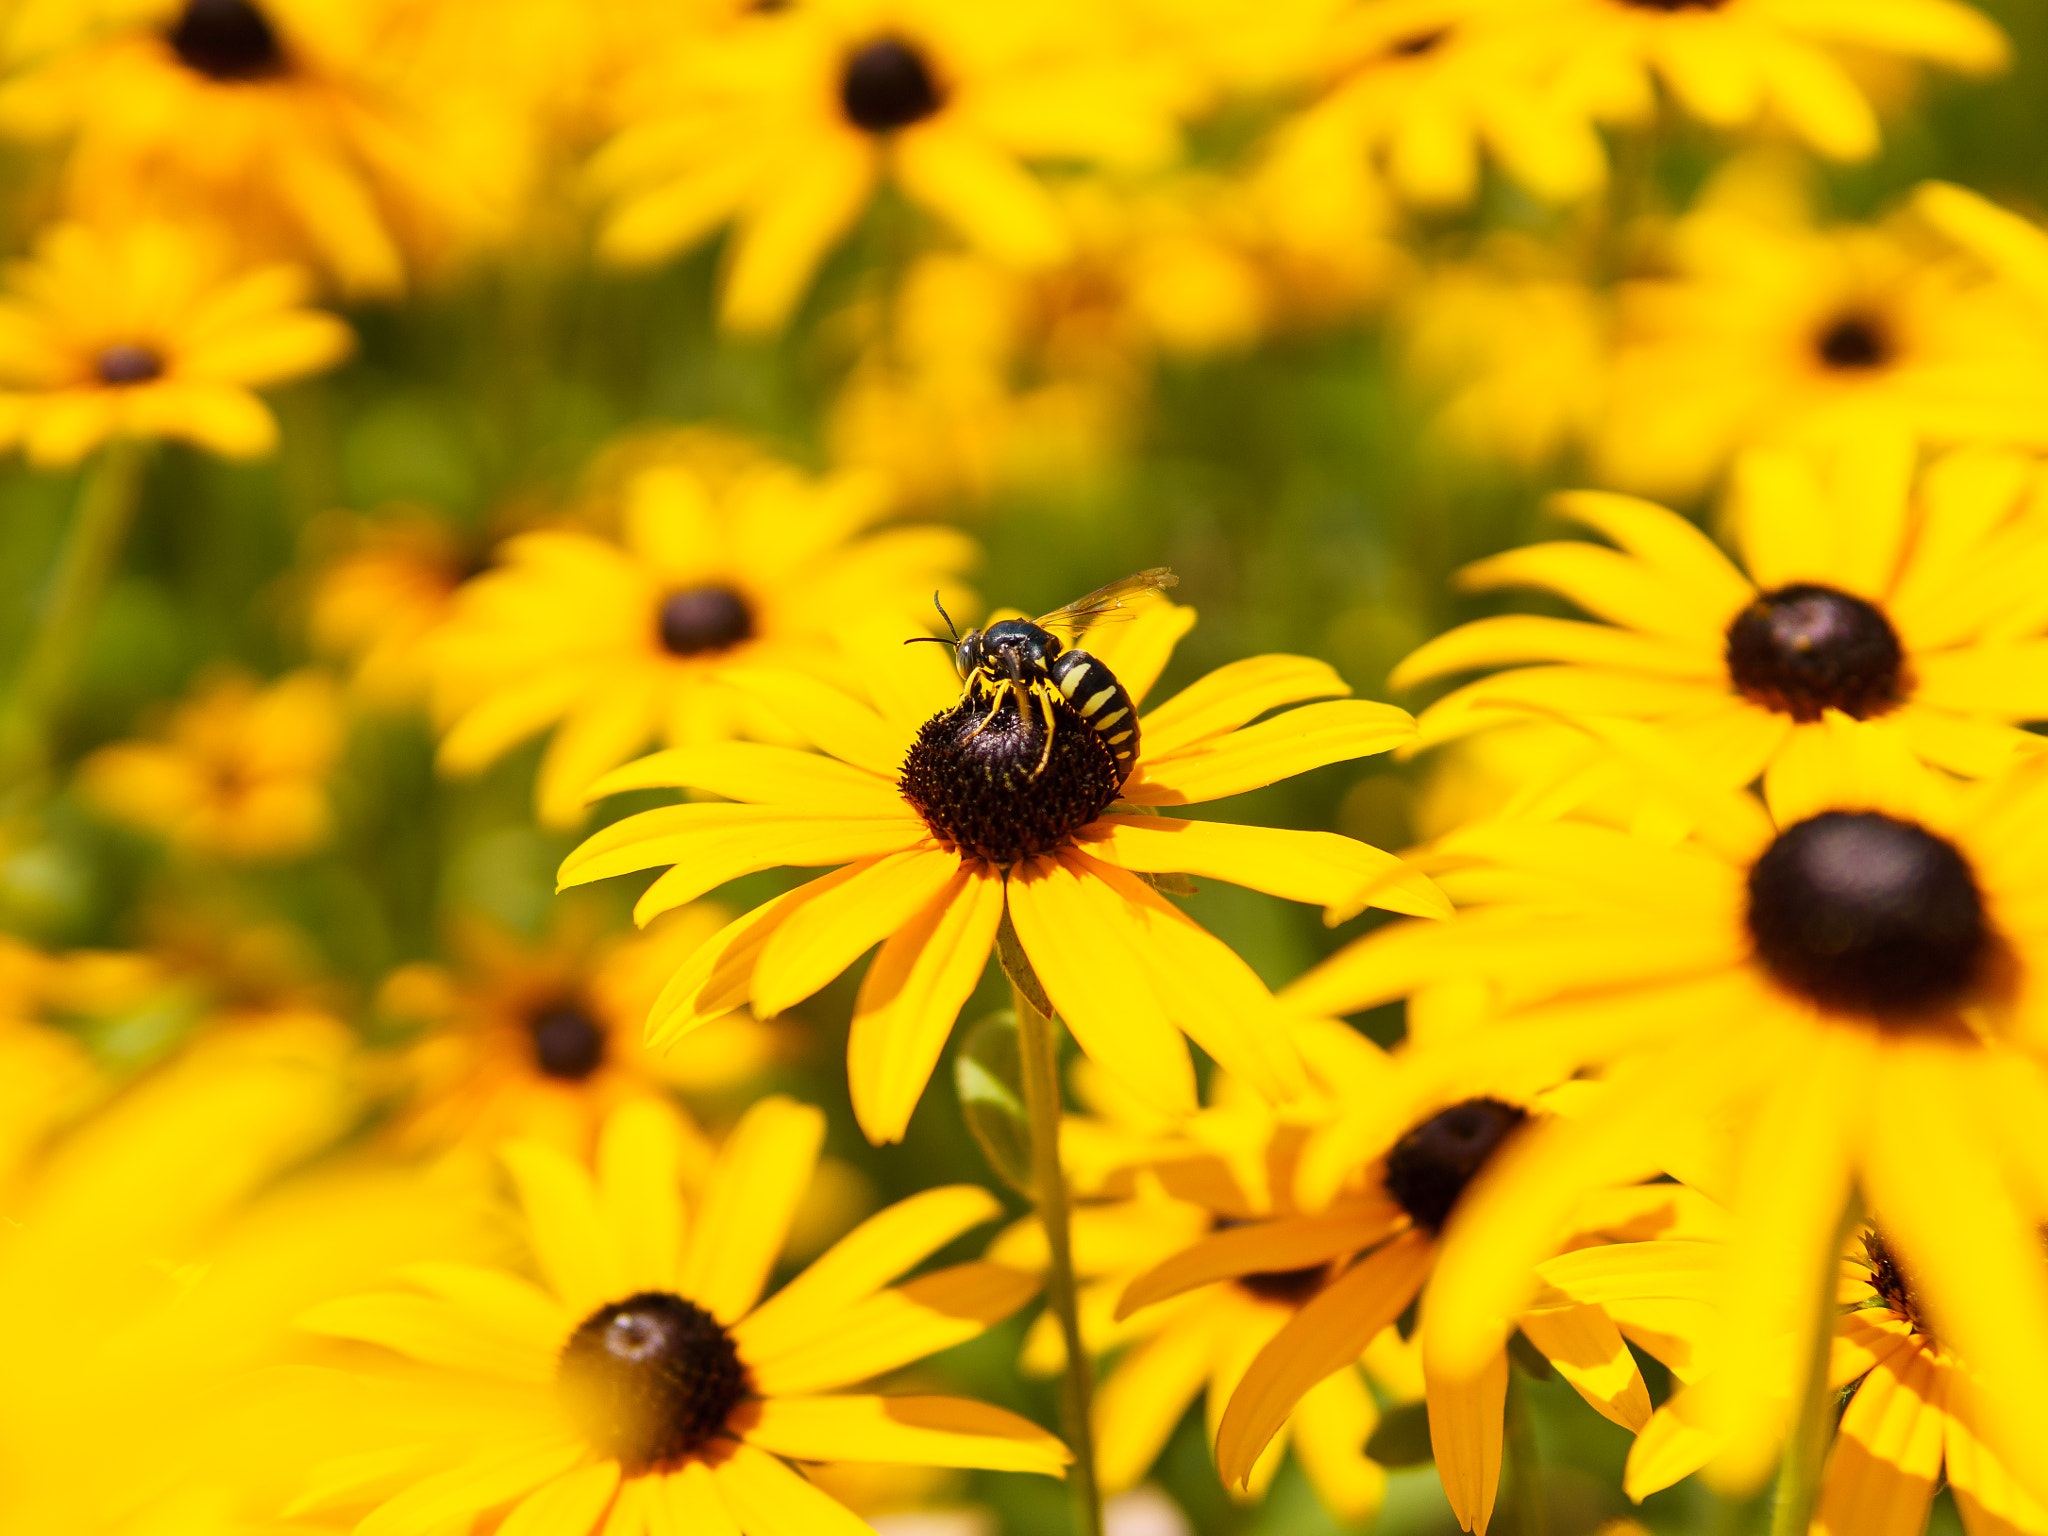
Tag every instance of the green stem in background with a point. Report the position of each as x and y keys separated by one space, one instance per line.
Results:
x=1039 y=1052
x=107 y=498
x=1806 y=1448
x=1524 y=1465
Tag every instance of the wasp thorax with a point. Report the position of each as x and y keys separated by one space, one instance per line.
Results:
x=1805 y=649
x=567 y=1042
x=650 y=1379
x=1428 y=1168
x=888 y=85
x=985 y=781
x=701 y=619
x=126 y=363
x=227 y=40
x=1863 y=913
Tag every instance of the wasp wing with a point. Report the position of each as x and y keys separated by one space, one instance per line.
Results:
x=1106 y=605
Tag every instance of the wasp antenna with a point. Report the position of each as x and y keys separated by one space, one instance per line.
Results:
x=947 y=617
x=928 y=640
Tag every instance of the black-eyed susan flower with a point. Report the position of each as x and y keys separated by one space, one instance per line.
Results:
x=314 y=129
x=239 y=770
x=784 y=126
x=618 y=642
x=46 y=1076
x=1910 y=1422
x=645 y=1385
x=1352 y=1266
x=542 y=1038
x=1769 y=330
x=379 y=592
x=1909 y=605
x=1161 y=1186
x=945 y=816
x=1842 y=992
x=147 y=331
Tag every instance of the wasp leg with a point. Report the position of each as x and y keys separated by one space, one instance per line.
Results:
x=1045 y=753
x=997 y=692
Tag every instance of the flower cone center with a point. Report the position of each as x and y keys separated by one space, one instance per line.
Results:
x=702 y=619
x=567 y=1042
x=1867 y=914
x=227 y=40
x=975 y=775
x=888 y=85
x=1893 y=1285
x=1428 y=1169
x=1805 y=649
x=1854 y=344
x=650 y=1379
x=126 y=363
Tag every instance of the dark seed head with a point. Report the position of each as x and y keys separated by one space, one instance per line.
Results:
x=1865 y=914
x=974 y=777
x=227 y=40
x=888 y=85
x=1290 y=1287
x=1804 y=649
x=1428 y=1169
x=126 y=363
x=1676 y=5
x=1892 y=1284
x=1853 y=343
x=701 y=619
x=650 y=1379
x=1417 y=44
x=567 y=1042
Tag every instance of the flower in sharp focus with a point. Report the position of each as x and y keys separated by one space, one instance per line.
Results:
x=644 y=1385
x=239 y=771
x=1911 y=1419
x=1770 y=331
x=1913 y=606
x=943 y=822
x=146 y=331
x=616 y=643
x=784 y=125
x=1842 y=991
x=542 y=1039
x=311 y=128
x=1353 y=1264
x=1161 y=1185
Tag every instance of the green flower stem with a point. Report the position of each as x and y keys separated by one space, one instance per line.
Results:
x=1806 y=1448
x=99 y=526
x=1039 y=1052
x=1524 y=1465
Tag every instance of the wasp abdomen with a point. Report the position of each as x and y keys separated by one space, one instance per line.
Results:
x=1100 y=700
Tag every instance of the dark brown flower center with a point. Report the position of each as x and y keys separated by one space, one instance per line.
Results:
x=1414 y=46
x=650 y=1379
x=227 y=40
x=1290 y=1287
x=567 y=1042
x=1428 y=1168
x=701 y=619
x=1804 y=649
x=1675 y=5
x=888 y=85
x=986 y=784
x=1854 y=343
x=1863 y=913
x=126 y=363
x=1893 y=1285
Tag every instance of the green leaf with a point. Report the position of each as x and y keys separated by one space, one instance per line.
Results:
x=989 y=1071
x=1402 y=1440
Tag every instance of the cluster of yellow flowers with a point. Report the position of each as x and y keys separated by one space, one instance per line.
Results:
x=1723 y=1084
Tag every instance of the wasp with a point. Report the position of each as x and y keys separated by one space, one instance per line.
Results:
x=1028 y=660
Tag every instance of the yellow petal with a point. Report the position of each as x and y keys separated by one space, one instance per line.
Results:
x=762 y=1172
x=716 y=843
x=569 y=1506
x=571 y=1241
x=1329 y=1431
x=1233 y=694
x=1137 y=651
x=1522 y=637
x=1608 y=585
x=824 y=936
x=1676 y=1443
x=1141 y=1400
x=784 y=234
x=1590 y=1353
x=768 y=1499
x=487 y=1479
x=1886 y=1457
x=1662 y=540
x=967 y=181
x=1279 y=748
x=695 y=1506
x=907 y=1431
x=639 y=1190
x=745 y=771
x=435 y=1332
x=823 y=715
x=1465 y=1415
x=1285 y=1243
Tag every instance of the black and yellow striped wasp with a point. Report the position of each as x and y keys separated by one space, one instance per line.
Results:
x=1019 y=659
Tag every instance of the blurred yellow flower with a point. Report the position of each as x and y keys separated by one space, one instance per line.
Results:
x=1916 y=606
x=1843 y=991
x=647 y=1387
x=381 y=589
x=542 y=1039
x=942 y=834
x=46 y=1077
x=784 y=126
x=616 y=643
x=313 y=128
x=144 y=331
x=239 y=770
x=1772 y=331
